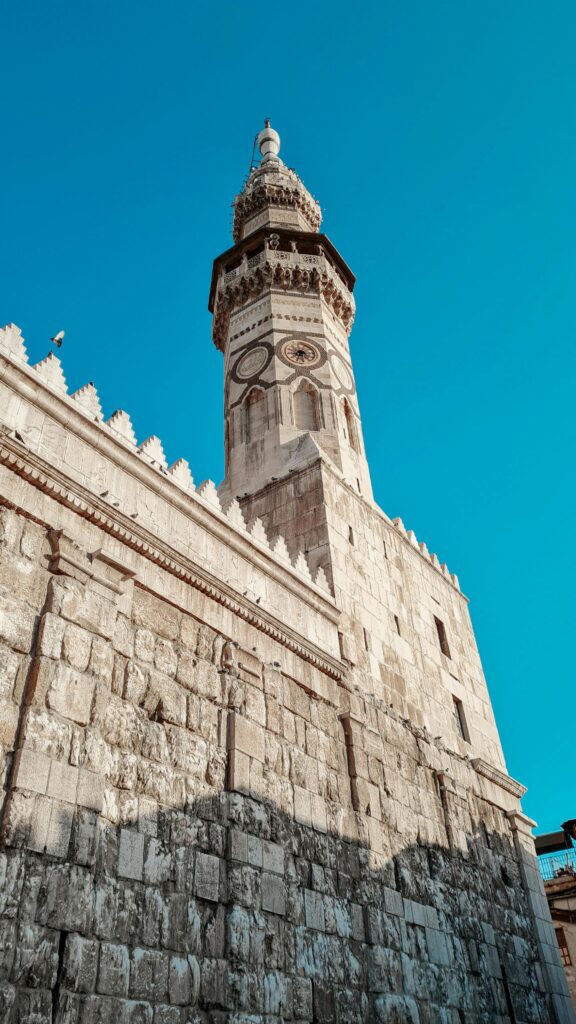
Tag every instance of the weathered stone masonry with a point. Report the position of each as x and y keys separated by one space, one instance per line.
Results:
x=234 y=789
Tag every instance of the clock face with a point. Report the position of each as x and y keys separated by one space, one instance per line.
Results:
x=343 y=374
x=250 y=364
x=300 y=353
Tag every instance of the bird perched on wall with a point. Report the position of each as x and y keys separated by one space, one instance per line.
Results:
x=58 y=338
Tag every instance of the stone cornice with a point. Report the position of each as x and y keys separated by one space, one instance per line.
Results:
x=37 y=472
x=297 y=272
x=499 y=778
x=260 y=194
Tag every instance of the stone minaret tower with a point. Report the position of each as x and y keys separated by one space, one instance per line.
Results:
x=283 y=309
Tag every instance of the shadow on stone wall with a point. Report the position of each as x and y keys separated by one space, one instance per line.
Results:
x=228 y=911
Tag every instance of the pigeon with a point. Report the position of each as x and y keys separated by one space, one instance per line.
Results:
x=58 y=338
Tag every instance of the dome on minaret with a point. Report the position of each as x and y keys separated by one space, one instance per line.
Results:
x=269 y=144
x=273 y=195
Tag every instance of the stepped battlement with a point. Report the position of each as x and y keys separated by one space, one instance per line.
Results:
x=119 y=427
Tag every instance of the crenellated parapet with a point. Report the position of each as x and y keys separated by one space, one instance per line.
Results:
x=119 y=428
x=421 y=547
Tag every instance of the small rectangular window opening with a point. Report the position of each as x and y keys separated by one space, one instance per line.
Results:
x=397 y=621
x=358 y=486
x=350 y=535
x=443 y=639
x=385 y=550
x=460 y=719
x=366 y=641
x=563 y=947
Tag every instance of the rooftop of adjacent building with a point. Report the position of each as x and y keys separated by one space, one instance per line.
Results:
x=557 y=857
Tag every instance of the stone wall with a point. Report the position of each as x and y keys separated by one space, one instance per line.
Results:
x=208 y=813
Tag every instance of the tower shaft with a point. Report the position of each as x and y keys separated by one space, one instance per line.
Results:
x=283 y=310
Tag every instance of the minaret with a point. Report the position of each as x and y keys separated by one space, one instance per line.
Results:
x=283 y=309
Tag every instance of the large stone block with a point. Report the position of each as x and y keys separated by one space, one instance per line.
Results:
x=78 y=603
x=246 y=737
x=76 y=646
x=273 y=894
x=71 y=694
x=17 y=622
x=114 y=970
x=184 y=980
x=36 y=959
x=131 y=854
x=148 y=975
x=207 y=877
x=80 y=964
x=32 y=770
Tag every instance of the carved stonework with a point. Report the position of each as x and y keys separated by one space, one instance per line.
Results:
x=288 y=271
x=262 y=195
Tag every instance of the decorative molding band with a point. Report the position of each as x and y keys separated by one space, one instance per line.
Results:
x=270 y=271
x=263 y=195
x=499 y=778
x=36 y=472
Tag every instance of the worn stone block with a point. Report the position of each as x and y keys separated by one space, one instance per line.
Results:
x=57 y=839
x=71 y=694
x=148 y=975
x=439 y=950
x=302 y=806
x=32 y=770
x=273 y=894
x=302 y=999
x=165 y=658
x=81 y=605
x=80 y=964
x=238 y=845
x=135 y=683
x=123 y=639
x=131 y=854
x=114 y=970
x=393 y=902
x=17 y=622
x=314 y=910
x=90 y=792
x=102 y=659
x=8 y=929
x=246 y=737
x=207 y=877
x=63 y=782
x=239 y=771
x=184 y=980
x=36 y=957
x=396 y=1009
x=255 y=851
x=273 y=857
x=50 y=635
x=76 y=646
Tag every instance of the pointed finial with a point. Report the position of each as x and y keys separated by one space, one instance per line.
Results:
x=269 y=144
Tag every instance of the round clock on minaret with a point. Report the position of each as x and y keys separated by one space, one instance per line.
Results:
x=300 y=353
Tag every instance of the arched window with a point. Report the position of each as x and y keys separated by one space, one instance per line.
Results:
x=350 y=422
x=305 y=405
x=255 y=419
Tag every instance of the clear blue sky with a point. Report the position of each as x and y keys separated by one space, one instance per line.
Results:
x=440 y=139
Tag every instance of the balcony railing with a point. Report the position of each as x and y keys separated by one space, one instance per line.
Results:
x=557 y=866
